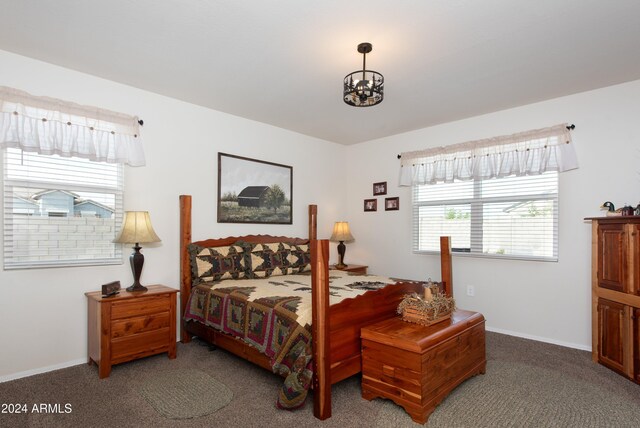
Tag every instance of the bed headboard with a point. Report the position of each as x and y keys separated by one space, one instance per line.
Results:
x=254 y=239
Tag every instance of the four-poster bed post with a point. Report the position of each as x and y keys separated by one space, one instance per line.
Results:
x=185 y=264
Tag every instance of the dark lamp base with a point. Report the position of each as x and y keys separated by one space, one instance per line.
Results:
x=341 y=250
x=136 y=287
x=137 y=261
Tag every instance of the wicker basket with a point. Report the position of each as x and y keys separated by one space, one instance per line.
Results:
x=416 y=316
x=432 y=308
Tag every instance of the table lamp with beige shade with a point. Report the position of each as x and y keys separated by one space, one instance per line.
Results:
x=136 y=229
x=341 y=234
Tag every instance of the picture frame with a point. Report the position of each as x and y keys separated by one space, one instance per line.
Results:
x=254 y=191
x=370 y=205
x=392 y=204
x=380 y=188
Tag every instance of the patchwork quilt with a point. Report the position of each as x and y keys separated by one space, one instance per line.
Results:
x=274 y=316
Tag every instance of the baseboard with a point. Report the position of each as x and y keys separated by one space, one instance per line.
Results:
x=14 y=376
x=540 y=339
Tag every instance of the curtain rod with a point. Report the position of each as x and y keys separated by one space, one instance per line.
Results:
x=569 y=127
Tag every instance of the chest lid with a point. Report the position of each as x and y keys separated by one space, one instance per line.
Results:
x=418 y=338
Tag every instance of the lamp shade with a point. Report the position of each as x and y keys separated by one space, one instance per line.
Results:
x=136 y=228
x=341 y=232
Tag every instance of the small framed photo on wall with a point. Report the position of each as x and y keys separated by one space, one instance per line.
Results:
x=380 y=188
x=391 y=204
x=371 y=205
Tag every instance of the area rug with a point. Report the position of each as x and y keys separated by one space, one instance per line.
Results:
x=185 y=393
x=521 y=395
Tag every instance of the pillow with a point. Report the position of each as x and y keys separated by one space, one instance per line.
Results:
x=216 y=263
x=265 y=260
x=300 y=258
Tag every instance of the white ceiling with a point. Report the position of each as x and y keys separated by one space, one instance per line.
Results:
x=282 y=61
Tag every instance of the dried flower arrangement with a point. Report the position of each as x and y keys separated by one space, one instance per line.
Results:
x=434 y=307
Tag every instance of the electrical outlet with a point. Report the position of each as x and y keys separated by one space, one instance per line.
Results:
x=471 y=290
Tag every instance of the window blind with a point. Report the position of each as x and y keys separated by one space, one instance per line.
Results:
x=60 y=211
x=511 y=217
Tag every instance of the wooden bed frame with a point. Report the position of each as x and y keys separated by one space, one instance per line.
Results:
x=335 y=329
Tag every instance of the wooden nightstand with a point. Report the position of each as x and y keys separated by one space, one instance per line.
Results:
x=359 y=269
x=129 y=326
x=417 y=366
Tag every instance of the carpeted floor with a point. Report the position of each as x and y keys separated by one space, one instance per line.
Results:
x=527 y=384
x=518 y=394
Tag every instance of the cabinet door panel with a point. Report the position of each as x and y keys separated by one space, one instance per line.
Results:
x=636 y=344
x=612 y=260
x=635 y=257
x=611 y=331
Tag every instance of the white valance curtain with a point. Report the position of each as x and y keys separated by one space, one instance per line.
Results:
x=526 y=153
x=50 y=126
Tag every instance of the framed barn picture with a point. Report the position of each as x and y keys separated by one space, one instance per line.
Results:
x=254 y=191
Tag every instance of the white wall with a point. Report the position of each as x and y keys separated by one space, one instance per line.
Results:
x=542 y=300
x=43 y=311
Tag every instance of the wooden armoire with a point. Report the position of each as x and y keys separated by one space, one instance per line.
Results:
x=615 y=286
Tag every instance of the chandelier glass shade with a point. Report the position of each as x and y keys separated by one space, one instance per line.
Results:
x=363 y=88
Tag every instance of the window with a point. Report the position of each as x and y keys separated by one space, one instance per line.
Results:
x=511 y=217
x=60 y=211
x=62 y=179
x=496 y=197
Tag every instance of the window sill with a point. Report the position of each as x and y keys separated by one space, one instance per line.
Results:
x=465 y=254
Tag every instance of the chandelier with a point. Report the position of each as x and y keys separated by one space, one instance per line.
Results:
x=363 y=88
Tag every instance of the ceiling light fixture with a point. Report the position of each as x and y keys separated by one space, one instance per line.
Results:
x=363 y=88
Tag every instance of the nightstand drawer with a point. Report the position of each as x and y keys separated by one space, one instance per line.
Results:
x=131 y=326
x=131 y=347
x=138 y=307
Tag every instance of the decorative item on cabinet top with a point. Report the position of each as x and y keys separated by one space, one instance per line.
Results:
x=626 y=210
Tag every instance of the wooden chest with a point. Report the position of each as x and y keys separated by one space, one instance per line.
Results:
x=131 y=325
x=417 y=366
